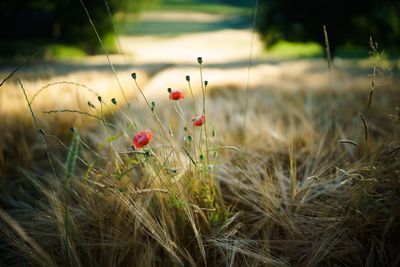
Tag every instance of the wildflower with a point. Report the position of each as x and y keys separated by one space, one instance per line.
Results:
x=198 y=121
x=176 y=95
x=142 y=139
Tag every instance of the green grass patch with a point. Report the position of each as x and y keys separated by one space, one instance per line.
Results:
x=284 y=49
x=298 y=50
x=63 y=52
x=14 y=49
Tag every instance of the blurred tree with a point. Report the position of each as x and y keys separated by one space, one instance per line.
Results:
x=62 y=21
x=347 y=22
x=246 y=3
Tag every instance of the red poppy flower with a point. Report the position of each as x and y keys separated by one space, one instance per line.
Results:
x=141 y=139
x=176 y=95
x=198 y=121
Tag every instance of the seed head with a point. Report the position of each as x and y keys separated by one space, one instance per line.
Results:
x=90 y=104
x=114 y=101
x=133 y=75
x=200 y=60
x=99 y=98
x=205 y=83
x=188 y=78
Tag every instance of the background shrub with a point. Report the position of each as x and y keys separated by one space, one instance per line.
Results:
x=348 y=22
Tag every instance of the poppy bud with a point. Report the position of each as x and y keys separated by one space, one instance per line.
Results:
x=200 y=60
x=133 y=75
x=114 y=101
x=90 y=104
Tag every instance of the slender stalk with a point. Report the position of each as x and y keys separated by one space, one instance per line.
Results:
x=204 y=88
x=104 y=123
x=331 y=112
x=374 y=47
x=104 y=49
x=16 y=69
x=72 y=111
x=194 y=115
x=250 y=62
x=38 y=128
x=62 y=82
x=107 y=55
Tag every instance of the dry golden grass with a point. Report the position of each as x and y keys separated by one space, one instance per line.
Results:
x=280 y=192
x=55 y=86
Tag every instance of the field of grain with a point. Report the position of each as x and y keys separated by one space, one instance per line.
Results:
x=296 y=164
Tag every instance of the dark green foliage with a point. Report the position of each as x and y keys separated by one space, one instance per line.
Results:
x=247 y=3
x=347 y=22
x=61 y=21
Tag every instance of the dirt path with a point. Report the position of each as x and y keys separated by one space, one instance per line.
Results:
x=226 y=55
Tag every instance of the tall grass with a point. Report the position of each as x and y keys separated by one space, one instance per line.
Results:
x=272 y=201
